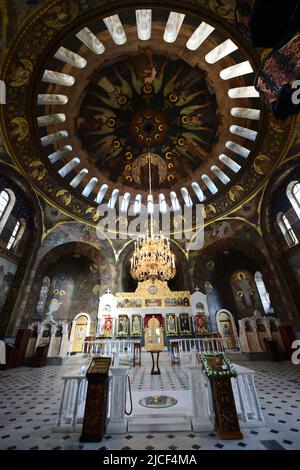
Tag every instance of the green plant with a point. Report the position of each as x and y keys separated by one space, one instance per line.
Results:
x=227 y=369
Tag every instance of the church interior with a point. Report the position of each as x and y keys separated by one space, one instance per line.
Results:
x=149 y=225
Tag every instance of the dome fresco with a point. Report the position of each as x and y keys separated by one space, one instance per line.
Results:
x=122 y=117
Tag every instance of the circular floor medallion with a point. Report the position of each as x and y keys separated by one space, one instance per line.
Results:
x=158 y=401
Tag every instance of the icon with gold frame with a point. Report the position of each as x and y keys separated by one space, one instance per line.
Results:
x=171 y=325
x=122 y=326
x=136 y=325
x=185 y=325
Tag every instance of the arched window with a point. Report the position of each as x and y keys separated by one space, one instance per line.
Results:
x=293 y=194
x=2 y=92
x=4 y=201
x=296 y=192
x=12 y=239
x=7 y=201
x=286 y=229
x=263 y=294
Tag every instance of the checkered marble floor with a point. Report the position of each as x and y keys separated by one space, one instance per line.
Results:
x=171 y=378
x=30 y=398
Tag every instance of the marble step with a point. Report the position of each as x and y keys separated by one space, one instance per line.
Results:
x=158 y=423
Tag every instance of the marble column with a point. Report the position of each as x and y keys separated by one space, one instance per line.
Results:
x=202 y=419
x=117 y=422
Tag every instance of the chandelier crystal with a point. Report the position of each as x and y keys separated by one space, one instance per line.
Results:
x=152 y=257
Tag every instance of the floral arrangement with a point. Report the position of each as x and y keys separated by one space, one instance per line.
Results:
x=226 y=366
x=122 y=334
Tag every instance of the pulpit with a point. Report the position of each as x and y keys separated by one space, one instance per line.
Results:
x=219 y=370
x=95 y=413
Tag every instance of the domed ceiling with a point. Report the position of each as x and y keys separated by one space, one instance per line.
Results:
x=93 y=87
x=124 y=113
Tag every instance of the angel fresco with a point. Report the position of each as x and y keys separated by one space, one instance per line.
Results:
x=245 y=292
x=20 y=72
x=146 y=71
x=61 y=14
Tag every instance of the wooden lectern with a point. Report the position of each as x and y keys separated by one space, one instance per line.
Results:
x=226 y=417
x=95 y=413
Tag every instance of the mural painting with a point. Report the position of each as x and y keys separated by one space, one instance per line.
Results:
x=7 y=274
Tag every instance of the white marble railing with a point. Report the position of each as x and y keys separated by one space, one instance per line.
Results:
x=245 y=397
x=110 y=347
x=72 y=405
x=199 y=344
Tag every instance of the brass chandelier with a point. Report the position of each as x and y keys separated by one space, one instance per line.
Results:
x=152 y=257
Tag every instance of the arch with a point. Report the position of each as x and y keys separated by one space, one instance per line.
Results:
x=293 y=194
x=287 y=283
x=273 y=326
x=76 y=344
x=206 y=273
x=94 y=256
x=125 y=283
x=7 y=202
x=227 y=329
x=200 y=307
x=248 y=327
x=260 y=325
x=19 y=187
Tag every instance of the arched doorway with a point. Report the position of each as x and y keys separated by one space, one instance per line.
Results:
x=227 y=329
x=79 y=331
